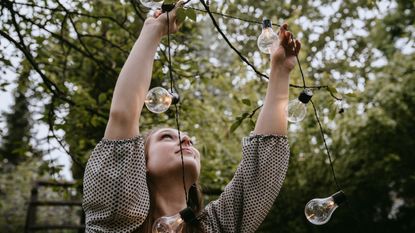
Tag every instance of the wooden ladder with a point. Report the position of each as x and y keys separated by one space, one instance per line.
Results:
x=31 y=225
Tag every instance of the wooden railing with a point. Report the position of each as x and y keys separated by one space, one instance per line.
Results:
x=32 y=226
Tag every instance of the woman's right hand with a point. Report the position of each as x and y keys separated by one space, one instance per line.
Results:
x=159 y=20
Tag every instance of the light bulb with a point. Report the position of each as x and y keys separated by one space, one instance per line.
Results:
x=318 y=211
x=168 y=224
x=297 y=109
x=174 y=224
x=152 y=4
x=267 y=37
x=158 y=100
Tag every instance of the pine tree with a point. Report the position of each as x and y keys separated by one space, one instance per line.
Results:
x=15 y=145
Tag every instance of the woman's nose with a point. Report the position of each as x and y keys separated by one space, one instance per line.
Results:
x=186 y=140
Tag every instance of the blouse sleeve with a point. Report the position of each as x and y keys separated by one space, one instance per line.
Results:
x=116 y=197
x=250 y=195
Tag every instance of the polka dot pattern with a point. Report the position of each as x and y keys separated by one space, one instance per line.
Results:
x=250 y=195
x=116 y=198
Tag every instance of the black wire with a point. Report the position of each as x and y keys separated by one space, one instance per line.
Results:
x=325 y=145
x=301 y=71
x=319 y=124
x=231 y=16
x=175 y=105
x=244 y=59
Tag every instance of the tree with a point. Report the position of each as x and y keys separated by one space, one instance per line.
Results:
x=16 y=146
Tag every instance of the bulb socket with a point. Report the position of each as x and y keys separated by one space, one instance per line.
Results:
x=167 y=7
x=188 y=215
x=266 y=23
x=175 y=98
x=339 y=197
x=305 y=96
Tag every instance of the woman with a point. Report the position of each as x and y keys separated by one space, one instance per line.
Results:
x=131 y=180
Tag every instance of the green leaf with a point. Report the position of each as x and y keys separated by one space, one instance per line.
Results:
x=6 y=62
x=102 y=98
x=246 y=102
x=245 y=115
x=351 y=95
x=332 y=113
x=3 y=86
x=191 y=14
x=235 y=125
x=332 y=89
x=251 y=124
x=180 y=15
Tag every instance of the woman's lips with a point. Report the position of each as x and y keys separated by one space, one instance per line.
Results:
x=188 y=151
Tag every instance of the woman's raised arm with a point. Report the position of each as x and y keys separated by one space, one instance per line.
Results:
x=273 y=117
x=135 y=77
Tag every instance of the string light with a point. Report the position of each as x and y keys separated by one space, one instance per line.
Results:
x=174 y=224
x=158 y=100
x=319 y=210
x=267 y=37
x=297 y=109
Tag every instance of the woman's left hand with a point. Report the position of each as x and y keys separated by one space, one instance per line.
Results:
x=284 y=53
x=165 y=22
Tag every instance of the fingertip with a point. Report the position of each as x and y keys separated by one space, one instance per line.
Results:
x=297 y=47
x=157 y=13
x=285 y=26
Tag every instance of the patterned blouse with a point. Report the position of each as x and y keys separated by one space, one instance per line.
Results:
x=116 y=198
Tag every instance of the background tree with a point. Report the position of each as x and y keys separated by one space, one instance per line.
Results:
x=16 y=145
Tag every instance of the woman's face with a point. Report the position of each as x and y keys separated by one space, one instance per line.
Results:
x=164 y=157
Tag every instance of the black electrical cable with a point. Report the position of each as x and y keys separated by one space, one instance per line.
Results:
x=175 y=105
x=325 y=145
x=244 y=59
x=230 y=16
x=319 y=124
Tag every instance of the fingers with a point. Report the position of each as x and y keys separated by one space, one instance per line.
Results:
x=291 y=46
x=297 y=47
x=281 y=33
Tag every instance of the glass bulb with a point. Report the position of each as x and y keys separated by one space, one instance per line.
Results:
x=152 y=4
x=319 y=210
x=168 y=224
x=158 y=100
x=297 y=109
x=267 y=37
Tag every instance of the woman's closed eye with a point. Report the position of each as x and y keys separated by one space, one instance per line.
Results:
x=169 y=136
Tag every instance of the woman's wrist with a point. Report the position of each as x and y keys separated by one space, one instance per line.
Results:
x=281 y=70
x=152 y=29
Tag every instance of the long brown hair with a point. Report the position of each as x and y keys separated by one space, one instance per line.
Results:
x=195 y=199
